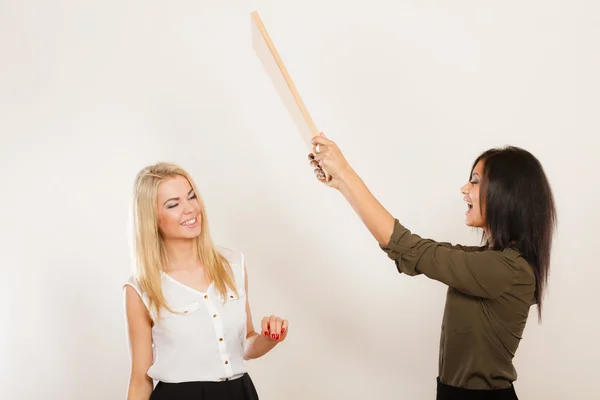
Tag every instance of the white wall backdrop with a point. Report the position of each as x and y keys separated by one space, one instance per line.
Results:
x=412 y=91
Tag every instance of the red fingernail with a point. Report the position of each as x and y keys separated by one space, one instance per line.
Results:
x=282 y=330
x=277 y=338
x=266 y=333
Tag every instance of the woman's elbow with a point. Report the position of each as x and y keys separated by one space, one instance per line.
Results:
x=139 y=386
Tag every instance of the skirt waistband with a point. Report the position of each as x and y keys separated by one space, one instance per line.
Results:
x=241 y=388
x=447 y=392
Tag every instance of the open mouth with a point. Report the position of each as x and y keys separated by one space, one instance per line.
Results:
x=189 y=222
x=469 y=207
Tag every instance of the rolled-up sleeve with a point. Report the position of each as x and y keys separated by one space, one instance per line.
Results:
x=478 y=273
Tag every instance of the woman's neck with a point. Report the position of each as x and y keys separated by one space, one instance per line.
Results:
x=181 y=254
x=488 y=238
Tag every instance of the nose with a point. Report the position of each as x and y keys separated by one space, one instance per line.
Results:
x=188 y=209
x=465 y=188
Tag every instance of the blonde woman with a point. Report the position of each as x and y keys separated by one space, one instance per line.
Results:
x=189 y=323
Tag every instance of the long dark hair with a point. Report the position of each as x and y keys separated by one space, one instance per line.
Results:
x=519 y=209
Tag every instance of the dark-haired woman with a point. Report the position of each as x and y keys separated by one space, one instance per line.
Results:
x=491 y=287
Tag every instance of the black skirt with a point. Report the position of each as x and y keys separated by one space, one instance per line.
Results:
x=445 y=392
x=234 y=389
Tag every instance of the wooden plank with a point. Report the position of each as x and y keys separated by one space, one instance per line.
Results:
x=281 y=79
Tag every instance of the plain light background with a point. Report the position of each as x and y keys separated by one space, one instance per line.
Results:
x=412 y=91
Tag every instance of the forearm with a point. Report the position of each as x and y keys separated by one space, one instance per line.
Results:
x=257 y=346
x=376 y=218
x=139 y=389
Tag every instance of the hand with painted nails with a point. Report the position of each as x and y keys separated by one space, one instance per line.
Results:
x=274 y=328
x=328 y=162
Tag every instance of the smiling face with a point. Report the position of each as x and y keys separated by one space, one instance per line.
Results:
x=475 y=215
x=179 y=212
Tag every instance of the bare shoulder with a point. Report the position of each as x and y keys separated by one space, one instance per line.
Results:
x=136 y=305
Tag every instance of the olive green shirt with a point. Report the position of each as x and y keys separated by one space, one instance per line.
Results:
x=487 y=304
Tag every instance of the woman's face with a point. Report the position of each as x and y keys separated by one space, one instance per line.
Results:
x=475 y=216
x=179 y=212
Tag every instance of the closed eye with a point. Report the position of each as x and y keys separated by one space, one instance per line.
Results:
x=191 y=195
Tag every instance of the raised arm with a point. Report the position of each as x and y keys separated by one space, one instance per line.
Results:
x=478 y=273
x=375 y=217
x=486 y=274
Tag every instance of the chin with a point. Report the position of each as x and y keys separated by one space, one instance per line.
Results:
x=192 y=235
x=187 y=234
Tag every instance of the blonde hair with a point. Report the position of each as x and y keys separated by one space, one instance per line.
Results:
x=148 y=245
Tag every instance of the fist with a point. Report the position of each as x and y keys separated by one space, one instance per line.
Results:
x=327 y=157
x=274 y=328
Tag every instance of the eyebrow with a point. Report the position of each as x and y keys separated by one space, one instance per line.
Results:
x=176 y=198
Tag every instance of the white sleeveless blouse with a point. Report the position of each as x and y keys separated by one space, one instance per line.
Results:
x=206 y=342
